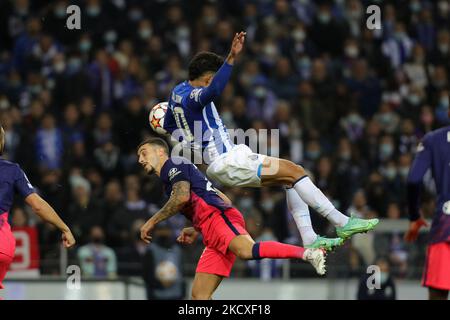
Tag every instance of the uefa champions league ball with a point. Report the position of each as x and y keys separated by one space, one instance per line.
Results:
x=156 y=117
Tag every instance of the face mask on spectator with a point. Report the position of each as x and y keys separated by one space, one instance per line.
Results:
x=305 y=63
x=110 y=36
x=135 y=15
x=443 y=7
x=443 y=48
x=345 y=155
x=353 y=118
x=313 y=155
x=383 y=277
x=351 y=51
x=260 y=92
x=36 y=89
x=4 y=104
x=59 y=66
x=210 y=20
x=164 y=241
x=97 y=240
x=386 y=150
x=298 y=35
x=355 y=14
x=75 y=64
x=268 y=205
x=390 y=173
x=386 y=118
x=145 y=33
x=414 y=6
x=414 y=99
x=399 y=35
x=324 y=17
x=59 y=12
x=270 y=50
x=443 y=102
x=183 y=32
x=246 y=203
x=85 y=46
x=403 y=171
x=93 y=11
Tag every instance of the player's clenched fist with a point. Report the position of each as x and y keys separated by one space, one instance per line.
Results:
x=146 y=231
x=187 y=236
x=68 y=239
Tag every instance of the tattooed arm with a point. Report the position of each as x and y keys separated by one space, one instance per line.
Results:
x=181 y=193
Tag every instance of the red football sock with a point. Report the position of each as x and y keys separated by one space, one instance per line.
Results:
x=276 y=250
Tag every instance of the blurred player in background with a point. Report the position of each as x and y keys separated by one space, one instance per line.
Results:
x=433 y=152
x=13 y=179
x=212 y=215
x=191 y=103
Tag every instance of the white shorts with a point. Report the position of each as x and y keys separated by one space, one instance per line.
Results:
x=239 y=167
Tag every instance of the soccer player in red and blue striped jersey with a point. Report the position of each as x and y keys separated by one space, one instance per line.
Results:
x=221 y=225
x=433 y=153
x=13 y=179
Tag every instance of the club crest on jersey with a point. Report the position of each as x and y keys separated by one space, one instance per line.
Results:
x=195 y=94
x=173 y=172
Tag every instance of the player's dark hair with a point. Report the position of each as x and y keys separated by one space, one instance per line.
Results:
x=155 y=142
x=2 y=140
x=204 y=62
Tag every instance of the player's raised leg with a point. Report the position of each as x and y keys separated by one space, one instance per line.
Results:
x=245 y=248
x=300 y=212
x=276 y=171
x=204 y=285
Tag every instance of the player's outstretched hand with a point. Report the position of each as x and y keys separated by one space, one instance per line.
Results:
x=238 y=43
x=68 y=239
x=414 y=227
x=146 y=231
x=187 y=236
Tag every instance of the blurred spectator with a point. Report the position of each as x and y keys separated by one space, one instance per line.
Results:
x=96 y=259
x=387 y=288
x=131 y=256
x=163 y=267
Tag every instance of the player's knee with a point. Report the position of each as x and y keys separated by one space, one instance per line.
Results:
x=244 y=254
x=294 y=171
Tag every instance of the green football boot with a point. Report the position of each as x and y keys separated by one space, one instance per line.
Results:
x=328 y=244
x=354 y=226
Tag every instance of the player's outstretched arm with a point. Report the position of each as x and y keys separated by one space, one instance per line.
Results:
x=181 y=193
x=202 y=97
x=48 y=214
x=236 y=46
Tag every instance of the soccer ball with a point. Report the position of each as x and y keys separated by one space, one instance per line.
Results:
x=156 y=117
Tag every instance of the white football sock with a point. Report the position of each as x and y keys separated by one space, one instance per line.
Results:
x=300 y=212
x=317 y=200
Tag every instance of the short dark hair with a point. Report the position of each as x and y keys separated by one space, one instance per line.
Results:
x=155 y=142
x=204 y=62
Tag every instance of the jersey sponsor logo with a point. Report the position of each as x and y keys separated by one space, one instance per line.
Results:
x=173 y=173
x=446 y=207
x=195 y=94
